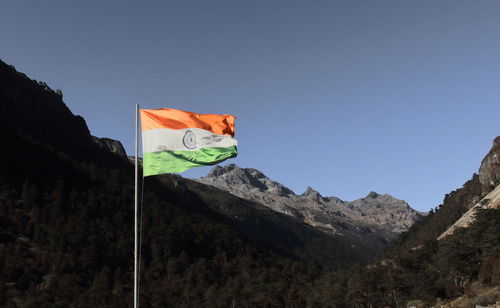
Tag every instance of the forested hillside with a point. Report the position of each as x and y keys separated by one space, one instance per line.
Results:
x=66 y=214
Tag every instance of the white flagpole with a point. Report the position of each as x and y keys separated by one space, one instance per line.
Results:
x=136 y=291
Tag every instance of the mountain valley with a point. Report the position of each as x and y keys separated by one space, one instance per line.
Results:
x=232 y=238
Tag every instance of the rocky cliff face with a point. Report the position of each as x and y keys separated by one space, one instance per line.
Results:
x=381 y=215
x=491 y=201
x=489 y=172
x=489 y=189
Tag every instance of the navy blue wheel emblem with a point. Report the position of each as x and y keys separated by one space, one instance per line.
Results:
x=189 y=140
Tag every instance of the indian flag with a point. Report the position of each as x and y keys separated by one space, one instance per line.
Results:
x=175 y=140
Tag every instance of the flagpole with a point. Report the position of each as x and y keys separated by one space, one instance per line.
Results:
x=136 y=291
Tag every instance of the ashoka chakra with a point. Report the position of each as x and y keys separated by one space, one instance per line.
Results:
x=189 y=140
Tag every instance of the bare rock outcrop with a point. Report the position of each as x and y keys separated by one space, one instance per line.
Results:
x=489 y=172
x=114 y=146
x=491 y=201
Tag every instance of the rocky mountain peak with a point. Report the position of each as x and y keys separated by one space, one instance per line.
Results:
x=372 y=195
x=388 y=210
x=220 y=170
x=312 y=194
x=245 y=178
x=376 y=200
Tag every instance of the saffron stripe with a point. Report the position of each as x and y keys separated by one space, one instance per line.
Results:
x=220 y=124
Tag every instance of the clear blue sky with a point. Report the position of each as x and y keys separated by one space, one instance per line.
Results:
x=398 y=97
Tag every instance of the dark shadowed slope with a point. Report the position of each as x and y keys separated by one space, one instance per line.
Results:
x=66 y=214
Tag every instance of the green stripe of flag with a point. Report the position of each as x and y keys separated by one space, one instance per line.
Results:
x=178 y=161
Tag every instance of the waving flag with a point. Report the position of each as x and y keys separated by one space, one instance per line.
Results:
x=175 y=140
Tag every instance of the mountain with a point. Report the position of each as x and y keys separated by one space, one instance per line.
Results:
x=382 y=215
x=282 y=233
x=66 y=224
